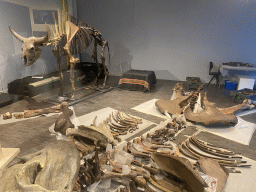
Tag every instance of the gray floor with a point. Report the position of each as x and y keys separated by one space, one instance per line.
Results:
x=32 y=135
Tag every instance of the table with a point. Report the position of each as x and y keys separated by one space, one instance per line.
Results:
x=224 y=69
x=137 y=80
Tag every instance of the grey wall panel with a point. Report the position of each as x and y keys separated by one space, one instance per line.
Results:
x=175 y=38
x=11 y=65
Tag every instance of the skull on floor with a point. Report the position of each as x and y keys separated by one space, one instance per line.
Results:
x=55 y=168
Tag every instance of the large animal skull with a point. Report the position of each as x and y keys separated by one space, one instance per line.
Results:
x=30 y=48
x=53 y=169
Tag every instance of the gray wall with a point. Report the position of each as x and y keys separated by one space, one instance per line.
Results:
x=175 y=38
x=18 y=15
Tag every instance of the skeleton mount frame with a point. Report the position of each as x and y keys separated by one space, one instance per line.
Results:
x=70 y=37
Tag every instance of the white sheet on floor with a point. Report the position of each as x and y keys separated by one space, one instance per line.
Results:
x=13 y=120
x=244 y=112
x=242 y=132
x=103 y=114
x=237 y=182
x=244 y=181
x=150 y=108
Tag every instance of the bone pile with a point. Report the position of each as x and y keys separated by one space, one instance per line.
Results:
x=168 y=133
x=196 y=149
x=120 y=123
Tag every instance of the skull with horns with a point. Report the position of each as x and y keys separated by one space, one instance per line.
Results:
x=30 y=48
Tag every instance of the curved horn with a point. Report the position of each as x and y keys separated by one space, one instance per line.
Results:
x=40 y=40
x=17 y=35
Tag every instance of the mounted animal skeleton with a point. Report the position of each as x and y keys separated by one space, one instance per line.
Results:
x=70 y=37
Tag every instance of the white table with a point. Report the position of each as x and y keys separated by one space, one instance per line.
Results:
x=224 y=69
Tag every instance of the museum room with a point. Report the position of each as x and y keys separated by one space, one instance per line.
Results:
x=127 y=96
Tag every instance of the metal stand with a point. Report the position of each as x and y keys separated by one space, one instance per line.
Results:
x=98 y=91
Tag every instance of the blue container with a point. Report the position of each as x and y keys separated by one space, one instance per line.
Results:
x=230 y=85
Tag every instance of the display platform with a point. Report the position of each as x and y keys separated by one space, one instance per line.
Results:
x=137 y=80
x=7 y=99
x=150 y=108
x=81 y=94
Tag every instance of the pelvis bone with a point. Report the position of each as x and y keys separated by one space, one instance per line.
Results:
x=55 y=168
x=176 y=105
x=212 y=114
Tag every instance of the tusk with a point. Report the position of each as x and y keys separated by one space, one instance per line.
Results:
x=22 y=39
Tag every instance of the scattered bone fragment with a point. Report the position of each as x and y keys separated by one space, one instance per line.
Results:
x=18 y=115
x=32 y=113
x=7 y=115
x=63 y=122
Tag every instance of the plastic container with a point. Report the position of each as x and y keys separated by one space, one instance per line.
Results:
x=245 y=82
x=230 y=85
x=193 y=82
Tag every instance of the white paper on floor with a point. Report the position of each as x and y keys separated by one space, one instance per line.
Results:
x=244 y=181
x=237 y=182
x=242 y=132
x=150 y=108
x=103 y=114
x=241 y=113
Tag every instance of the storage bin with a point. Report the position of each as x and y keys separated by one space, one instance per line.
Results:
x=230 y=85
x=245 y=82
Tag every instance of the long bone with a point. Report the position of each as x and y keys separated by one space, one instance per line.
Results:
x=32 y=113
x=116 y=131
x=120 y=131
x=147 y=148
x=209 y=150
x=128 y=117
x=230 y=163
x=212 y=147
x=124 y=121
x=109 y=175
x=117 y=125
x=186 y=143
x=122 y=118
x=139 y=147
x=153 y=171
x=196 y=157
x=135 y=152
x=154 y=146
